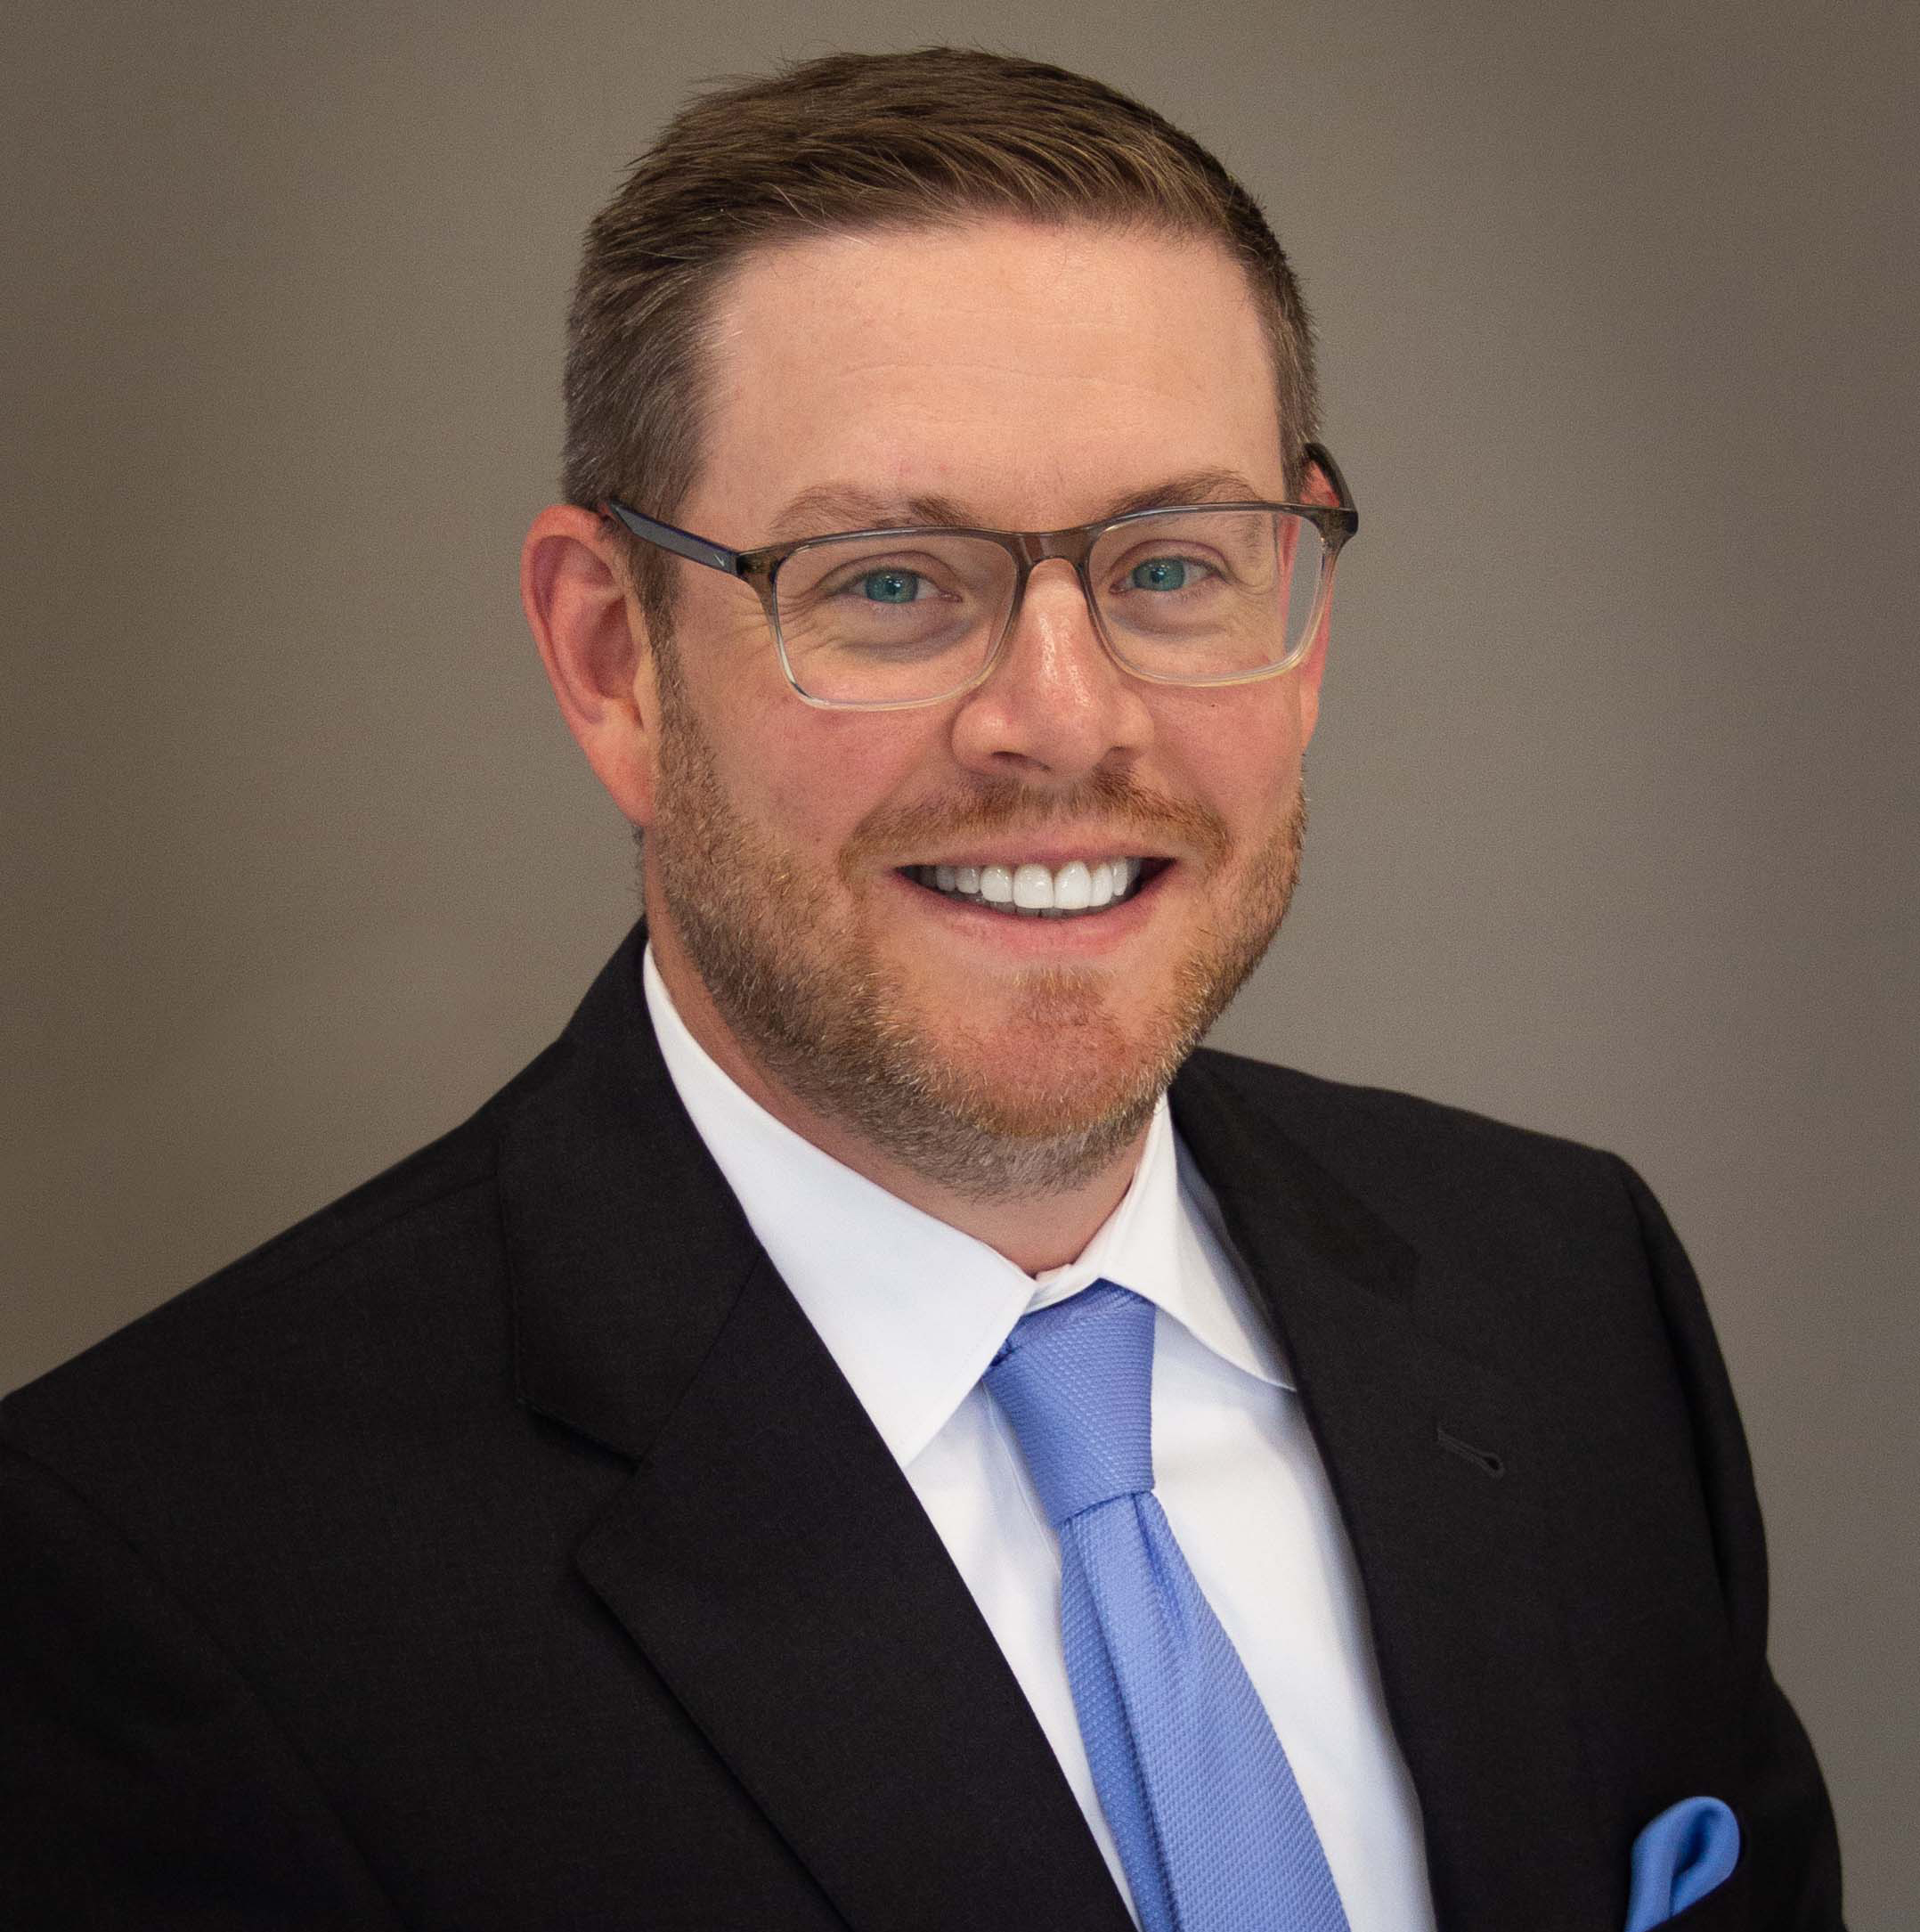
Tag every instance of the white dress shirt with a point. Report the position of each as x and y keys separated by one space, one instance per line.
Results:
x=912 y=1311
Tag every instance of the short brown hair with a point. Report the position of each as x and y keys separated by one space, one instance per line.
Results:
x=855 y=142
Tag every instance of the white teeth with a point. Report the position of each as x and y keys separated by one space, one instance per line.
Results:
x=1033 y=888
x=1035 y=891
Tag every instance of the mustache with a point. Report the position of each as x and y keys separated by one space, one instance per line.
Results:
x=1104 y=802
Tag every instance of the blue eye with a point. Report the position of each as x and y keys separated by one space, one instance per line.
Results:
x=1165 y=574
x=890 y=586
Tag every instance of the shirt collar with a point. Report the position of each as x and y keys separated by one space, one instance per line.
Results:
x=912 y=1311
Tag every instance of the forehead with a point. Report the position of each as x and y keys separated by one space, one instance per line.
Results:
x=1033 y=373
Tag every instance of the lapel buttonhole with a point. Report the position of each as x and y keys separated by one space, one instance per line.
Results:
x=1482 y=1459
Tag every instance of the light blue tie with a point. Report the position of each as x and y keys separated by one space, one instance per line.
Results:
x=1198 y=1792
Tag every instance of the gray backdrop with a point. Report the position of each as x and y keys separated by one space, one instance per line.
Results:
x=1613 y=815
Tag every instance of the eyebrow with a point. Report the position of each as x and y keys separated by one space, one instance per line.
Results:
x=828 y=508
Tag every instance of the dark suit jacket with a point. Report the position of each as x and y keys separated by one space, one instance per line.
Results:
x=501 y=1548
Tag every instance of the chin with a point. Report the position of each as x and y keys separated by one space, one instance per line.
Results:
x=1055 y=1058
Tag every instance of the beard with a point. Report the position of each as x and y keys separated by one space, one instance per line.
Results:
x=795 y=973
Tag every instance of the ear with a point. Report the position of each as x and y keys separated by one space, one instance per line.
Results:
x=1306 y=676
x=591 y=639
x=1316 y=488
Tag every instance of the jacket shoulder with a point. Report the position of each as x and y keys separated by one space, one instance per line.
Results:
x=317 y=1305
x=1385 y=1142
x=1504 y=1204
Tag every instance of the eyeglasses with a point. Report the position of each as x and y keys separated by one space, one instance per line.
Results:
x=879 y=620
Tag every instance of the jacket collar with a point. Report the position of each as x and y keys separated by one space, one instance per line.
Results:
x=772 y=1563
x=1437 y=1461
x=627 y=1251
x=767 y=1555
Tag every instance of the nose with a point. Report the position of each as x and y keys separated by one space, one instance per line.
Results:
x=1055 y=708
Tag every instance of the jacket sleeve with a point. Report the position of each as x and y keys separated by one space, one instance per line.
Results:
x=142 y=1782
x=1789 y=1842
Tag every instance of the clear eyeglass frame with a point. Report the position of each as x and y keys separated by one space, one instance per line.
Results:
x=1332 y=524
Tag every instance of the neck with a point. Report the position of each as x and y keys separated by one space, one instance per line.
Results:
x=1034 y=1232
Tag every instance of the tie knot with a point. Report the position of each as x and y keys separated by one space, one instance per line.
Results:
x=1077 y=1382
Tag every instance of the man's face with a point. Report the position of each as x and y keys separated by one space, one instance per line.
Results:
x=1027 y=377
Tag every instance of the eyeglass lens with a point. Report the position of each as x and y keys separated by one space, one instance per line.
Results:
x=1186 y=596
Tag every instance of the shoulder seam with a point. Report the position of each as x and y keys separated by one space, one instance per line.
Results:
x=297 y=1271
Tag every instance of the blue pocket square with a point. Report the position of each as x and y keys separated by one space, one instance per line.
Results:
x=1678 y=1859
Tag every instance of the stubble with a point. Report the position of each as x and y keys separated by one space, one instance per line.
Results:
x=801 y=986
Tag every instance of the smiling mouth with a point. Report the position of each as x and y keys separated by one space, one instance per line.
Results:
x=1030 y=891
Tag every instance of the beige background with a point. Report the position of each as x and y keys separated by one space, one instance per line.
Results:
x=1614 y=811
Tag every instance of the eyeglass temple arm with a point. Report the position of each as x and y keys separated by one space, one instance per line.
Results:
x=681 y=542
x=1322 y=458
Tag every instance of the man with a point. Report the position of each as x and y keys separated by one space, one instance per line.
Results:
x=831 y=1444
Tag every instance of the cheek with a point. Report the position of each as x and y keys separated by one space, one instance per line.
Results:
x=810 y=777
x=1239 y=747
x=791 y=777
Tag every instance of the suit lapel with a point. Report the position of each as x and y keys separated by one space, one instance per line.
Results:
x=767 y=1556
x=772 y=1563
x=1432 y=1460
